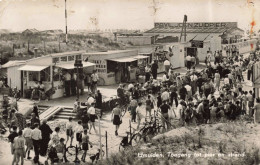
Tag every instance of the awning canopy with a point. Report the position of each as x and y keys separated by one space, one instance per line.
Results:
x=35 y=68
x=70 y=65
x=123 y=59
x=140 y=57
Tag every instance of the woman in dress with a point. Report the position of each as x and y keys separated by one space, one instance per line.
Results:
x=116 y=117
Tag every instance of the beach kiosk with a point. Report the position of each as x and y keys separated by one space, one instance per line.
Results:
x=116 y=66
x=50 y=71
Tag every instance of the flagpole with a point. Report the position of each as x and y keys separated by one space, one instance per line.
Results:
x=66 y=27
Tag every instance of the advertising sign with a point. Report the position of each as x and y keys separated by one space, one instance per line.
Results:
x=195 y=25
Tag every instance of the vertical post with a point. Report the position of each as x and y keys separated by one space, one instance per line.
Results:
x=66 y=28
x=77 y=82
x=28 y=46
x=130 y=130
x=13 y=49
x=59 y=43
x=100 y=145
x=106 y=146
x=44 y=47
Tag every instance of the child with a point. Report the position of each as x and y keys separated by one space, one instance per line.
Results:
x=69 y=131
x=28 y=140
x=85 y=142
x=61 y=148
x=79 y=129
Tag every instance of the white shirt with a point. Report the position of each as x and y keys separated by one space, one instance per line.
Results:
x=90 y=100
x=92 y=111
x=166 y=62
x=27 y=133
x=67 y=77
x=130 y=86
x=36 y=134
x=69 y=125
x=164 y=78
x=94 y=77
x=193 y=77
x=226 y=81
x=165 y=96
x=188 y=88
x=79 y=128
x=178 y=111
x=188 y=58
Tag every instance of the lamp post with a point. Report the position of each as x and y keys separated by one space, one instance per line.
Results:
x=77 y=64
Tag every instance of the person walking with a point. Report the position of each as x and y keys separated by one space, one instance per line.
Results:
x=27 y=134
x=19 y=150
x=94 y=79
x=116 y=117
x=11 y=137
x=138 y=114
x=34 y=120
x=46 y=132
x=36 y=110
x=149 y=106
x=69 y=131
x=79 y=130
x=92 y=116
x=154 y=69
x=67 y=83
x=147 y=73
x=36 y=138
x=85 y=146
x=188 y=62
x=164 y=112
x=167 y=65
x=132 y=108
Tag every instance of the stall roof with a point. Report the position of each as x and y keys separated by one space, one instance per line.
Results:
x=70 y=65
x=35 y=68
x=123 y=59
x=13 y=63
x=140 y=57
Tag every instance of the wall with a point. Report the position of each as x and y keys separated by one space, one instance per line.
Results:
x=189 y=35
x=14 y=77
x=135 y=40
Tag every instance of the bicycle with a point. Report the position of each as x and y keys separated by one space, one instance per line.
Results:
x=149 y=129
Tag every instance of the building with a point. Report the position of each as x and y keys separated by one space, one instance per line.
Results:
x=30 y=31
x=210 y=34
x=136 y=40
x=47 y=69
x=113 y=66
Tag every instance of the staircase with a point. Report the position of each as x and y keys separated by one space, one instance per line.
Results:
x=41 y=108
x=65 y=113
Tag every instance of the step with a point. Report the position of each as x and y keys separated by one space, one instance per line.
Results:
x=66 y=113
x=67 y=110
x=57 y=116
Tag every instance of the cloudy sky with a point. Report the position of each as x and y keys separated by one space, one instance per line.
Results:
x=123 y=14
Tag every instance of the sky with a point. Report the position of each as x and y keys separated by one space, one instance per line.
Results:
x=19 y=15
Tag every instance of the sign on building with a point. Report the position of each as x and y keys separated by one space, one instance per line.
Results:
x=195 y=25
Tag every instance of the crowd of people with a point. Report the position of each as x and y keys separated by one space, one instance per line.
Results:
x=196 y=97
x=213 y=94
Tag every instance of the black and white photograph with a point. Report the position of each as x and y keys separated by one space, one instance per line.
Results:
x=129 y=82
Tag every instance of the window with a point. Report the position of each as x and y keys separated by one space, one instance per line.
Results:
x=64 y=59
x=78 y=57
x=33 y=76
x=56 y=60
x=56 y=73
x=45 y=74
x=71 y=58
